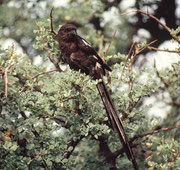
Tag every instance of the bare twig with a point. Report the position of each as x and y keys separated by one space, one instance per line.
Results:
x=68 y=98
x=44 y=72
x=130 y=51
x=156 y=19
x=137 y=51
x=174 y=103
x=10 y=63
x=105 y=54
x=163 y=50
x=110 y=42
x=51 y=22
x=142 y=49
x=154 y=132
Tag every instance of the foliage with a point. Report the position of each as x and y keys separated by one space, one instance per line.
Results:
x=56 y=119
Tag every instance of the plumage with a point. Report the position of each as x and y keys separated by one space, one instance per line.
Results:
x=78 y=53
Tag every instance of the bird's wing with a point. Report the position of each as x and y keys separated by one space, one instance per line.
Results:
x=86 y=48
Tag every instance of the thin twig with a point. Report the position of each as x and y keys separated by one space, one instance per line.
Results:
x=6 y=82
x=119 y=152
x=10 y=64
x=6 y=78
x=110 y=42
x=142 y=49
x=154 y=132
x=134 y=56
x=164 y=50
x=51 y=22
x=173 y=103
x=107 y=73
x=130 y=51
x=166 y=83
x=138 y=51
x=156 y=19
x=68 y=98
x=44 y=72
x=6 y=71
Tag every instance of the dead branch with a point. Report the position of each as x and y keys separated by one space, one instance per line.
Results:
x=51 y=22
x=156 y=19
x=163 y=50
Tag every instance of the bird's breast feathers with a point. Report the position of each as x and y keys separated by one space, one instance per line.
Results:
x=68 y=47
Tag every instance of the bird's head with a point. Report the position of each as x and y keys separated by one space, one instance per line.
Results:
x=67 y=31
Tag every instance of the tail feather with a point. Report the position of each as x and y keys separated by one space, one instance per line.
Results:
x=116 y=121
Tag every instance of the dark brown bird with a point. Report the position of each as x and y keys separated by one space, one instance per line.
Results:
x=76 y=52
x=79 y=54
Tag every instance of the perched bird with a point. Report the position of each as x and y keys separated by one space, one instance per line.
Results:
x=77 y=52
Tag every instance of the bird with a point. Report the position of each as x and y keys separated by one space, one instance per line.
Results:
x=80 y=56
x=78 y=53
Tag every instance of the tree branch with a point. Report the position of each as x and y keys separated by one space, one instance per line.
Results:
x=157 y=20
x=73 y=144
x=44 y=72
x=154 y=132
x=51 y=22
x=163 y=50
x=119 y=152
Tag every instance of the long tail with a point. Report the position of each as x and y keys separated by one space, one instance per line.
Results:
x=116 y=121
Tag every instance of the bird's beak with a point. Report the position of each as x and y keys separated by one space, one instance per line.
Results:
x=73 y=32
